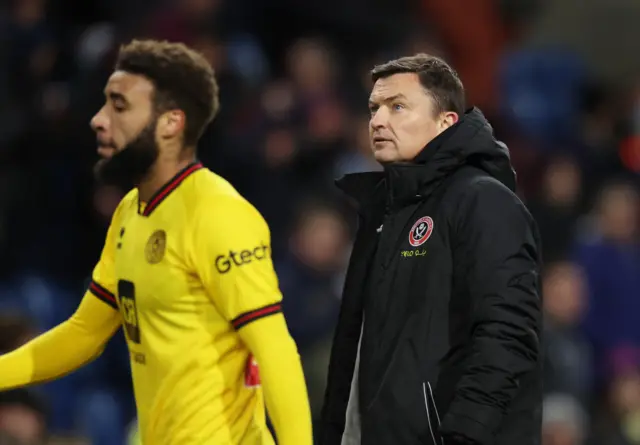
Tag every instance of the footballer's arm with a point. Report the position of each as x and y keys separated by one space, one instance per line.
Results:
x=64 y=348
x=232 y=255
x=282 y=378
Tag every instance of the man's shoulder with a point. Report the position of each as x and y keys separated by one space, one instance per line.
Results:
x=216 y=204
x=128 y=203
x=209 y=195
x=473 y=188
x=362 y=189
x=472 y=183
x=130 y=197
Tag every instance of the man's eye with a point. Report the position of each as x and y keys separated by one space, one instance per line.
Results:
x=398 y=107
x=119 y=108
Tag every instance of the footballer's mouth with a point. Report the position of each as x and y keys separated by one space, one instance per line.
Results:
x=106 y=149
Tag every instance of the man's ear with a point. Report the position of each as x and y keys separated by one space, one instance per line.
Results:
x=448 y=119
x=171 y=124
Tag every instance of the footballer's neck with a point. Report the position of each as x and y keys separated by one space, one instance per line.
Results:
x=163 y=170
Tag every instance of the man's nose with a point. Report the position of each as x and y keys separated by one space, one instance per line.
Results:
x=380 y=118
x=99 y=121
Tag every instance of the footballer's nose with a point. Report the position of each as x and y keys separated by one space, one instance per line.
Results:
x=100 y=122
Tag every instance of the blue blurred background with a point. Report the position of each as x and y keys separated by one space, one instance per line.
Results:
x=559 y=80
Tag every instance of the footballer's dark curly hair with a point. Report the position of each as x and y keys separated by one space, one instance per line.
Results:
x=182 y=77
x=436 y=76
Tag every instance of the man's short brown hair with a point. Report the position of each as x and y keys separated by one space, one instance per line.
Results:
x=182 y=77
x=436 y=76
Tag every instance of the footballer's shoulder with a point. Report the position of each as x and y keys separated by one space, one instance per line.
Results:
x=128 y=202
x=211 y=188
x=208 y=183
x=130 y=197
x=216 y=194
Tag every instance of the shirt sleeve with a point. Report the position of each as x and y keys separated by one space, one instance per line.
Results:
x=63 y=349
x=232 y=257
x=283 y=379
x=103 y=283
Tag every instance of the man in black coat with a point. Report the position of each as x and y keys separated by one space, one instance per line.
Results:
x=438 y=339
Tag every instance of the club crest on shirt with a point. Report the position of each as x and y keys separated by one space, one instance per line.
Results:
x=154 y=250
x=421 y=231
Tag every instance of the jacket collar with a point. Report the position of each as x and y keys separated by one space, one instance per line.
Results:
x=468 y=142
x=363 y=188
x=404 y=182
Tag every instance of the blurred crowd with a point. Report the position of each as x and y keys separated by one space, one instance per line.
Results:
x=294 y=87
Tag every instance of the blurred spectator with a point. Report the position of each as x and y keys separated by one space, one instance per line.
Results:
x=181 y=21
x=556 y=207
x=15 y=330
x=567 y=351
x=620 y=425
x=600 y=104
x=564 y=421
x=311 y=274
x=618 y=206
x=609 y=253
x=599 y=150
x=274 y=163
x=312 y=68
x=22 y=418
x=360 y=156
x=476 y=39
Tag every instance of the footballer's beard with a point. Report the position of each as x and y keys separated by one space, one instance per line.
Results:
x=129 y=166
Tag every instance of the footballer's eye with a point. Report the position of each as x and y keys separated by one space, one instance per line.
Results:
x=373 y=109
x=398 y=107
x=118 y=101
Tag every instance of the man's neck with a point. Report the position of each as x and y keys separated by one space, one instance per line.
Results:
x=161 y=173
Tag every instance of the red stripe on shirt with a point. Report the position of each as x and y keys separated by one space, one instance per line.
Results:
x=248 y=317
x=169 y=187
x=103 y=294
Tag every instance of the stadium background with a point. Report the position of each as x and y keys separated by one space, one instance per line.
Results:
x=559 y=80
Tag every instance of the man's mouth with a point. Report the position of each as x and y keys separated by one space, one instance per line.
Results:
x=106 y=151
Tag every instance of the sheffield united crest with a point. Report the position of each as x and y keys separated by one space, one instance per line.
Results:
x=421 y=231
x=154 y=250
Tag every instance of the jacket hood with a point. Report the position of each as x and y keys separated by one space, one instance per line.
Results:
x=470 y=142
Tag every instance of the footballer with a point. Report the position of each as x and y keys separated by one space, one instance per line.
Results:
x=186 y=270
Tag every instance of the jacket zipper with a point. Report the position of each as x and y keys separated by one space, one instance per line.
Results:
x=428 y=396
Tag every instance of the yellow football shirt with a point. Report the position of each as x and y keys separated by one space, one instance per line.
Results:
x=186 y=271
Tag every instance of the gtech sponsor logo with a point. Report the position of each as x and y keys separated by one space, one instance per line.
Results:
x=224 y=263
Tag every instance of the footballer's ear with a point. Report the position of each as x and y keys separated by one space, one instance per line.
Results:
x=171 y=124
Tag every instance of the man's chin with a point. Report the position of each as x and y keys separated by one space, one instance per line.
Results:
x=386 y=156
x=107 y=152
